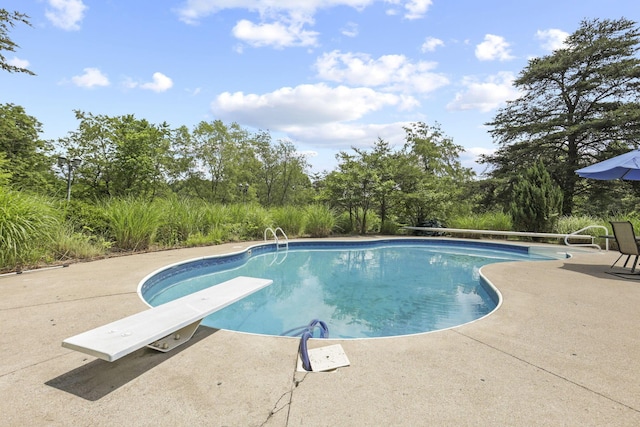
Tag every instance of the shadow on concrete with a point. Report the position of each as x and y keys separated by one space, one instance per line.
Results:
x=98 y=378
x=600 y=271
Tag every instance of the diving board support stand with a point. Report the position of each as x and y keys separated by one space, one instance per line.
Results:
x=176 y=338
x=163 y=327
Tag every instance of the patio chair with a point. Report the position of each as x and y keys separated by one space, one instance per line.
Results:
x=627 y=243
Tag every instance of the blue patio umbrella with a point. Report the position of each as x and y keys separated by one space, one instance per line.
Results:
x=625 y=166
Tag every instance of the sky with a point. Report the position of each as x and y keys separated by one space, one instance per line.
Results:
x=327 y=75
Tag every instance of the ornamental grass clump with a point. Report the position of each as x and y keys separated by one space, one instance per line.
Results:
x=133 y=223
x=319 y=221
x=179 y=219
x=26 y=226
x=291 y=219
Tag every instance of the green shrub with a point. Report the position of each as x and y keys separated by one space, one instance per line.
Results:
x=343 y=224
x=570 y=224
x=216 y=216
x=179 y=218
x=85 y=217
x=319 y=221
x=389 y=227
x=496 y=220
x=215 y=236
x=291 y=219
x=536 y=201
x=26 y=226
x=347 y=223
x=68 y=244
x=133 y=223
x=247 y=222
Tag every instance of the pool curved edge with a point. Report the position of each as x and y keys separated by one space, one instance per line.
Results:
x=248 y=251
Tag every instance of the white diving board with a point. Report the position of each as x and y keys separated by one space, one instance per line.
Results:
x=163 y=327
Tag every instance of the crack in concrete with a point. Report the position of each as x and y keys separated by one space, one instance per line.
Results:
x=287 y=396
x=550 y=372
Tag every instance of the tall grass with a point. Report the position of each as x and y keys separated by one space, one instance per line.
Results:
x=179 y=219
x=133 y=223
x=498 y=220
x=35 y=230
x=290 y=218
x=247 y=222
x=319 y=220
x=26 y=226
x=68 y=244
x=570 y=224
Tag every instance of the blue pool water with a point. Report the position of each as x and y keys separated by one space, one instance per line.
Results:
x=359 y=289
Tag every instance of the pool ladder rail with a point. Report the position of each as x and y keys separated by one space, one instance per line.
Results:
x=279 y=244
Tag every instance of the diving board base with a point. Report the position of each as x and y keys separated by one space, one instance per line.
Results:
x=175 y=339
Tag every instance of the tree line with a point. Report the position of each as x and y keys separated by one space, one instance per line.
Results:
x=578 y=105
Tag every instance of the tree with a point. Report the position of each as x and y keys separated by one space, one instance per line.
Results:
x=9 y=20
x=353 y=187
x=120 y=155
x=433 y=177
x=282 y=172
x=421 y=181
x=537 y=201
x=574 y=104
x=26 y=154
x=212 y=149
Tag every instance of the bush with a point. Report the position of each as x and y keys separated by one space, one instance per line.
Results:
x=497 y=220
x=86 y=217
x=389 y=227
x=215 y=236
x=290 y=219
x=570 y=224
x=26 y=226
x=247 y=222
x=537 y=201
x=68 y=244
x=319 y=220
x=133 y=223
x=179 y=218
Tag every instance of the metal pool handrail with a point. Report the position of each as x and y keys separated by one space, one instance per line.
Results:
x=592 y=244
x=274 y=233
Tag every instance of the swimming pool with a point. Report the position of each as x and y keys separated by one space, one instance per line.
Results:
x=360 y=289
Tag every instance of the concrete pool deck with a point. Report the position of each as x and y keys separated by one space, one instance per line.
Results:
x=563 y=349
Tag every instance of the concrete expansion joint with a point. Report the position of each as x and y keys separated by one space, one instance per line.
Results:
x=563 y=378
x=66 y=301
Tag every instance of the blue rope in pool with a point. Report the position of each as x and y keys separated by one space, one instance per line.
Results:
x=305 y=333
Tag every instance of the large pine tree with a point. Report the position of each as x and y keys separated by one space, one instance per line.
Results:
x=575 y=104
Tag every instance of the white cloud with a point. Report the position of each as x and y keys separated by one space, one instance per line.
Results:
x=282 y=21
x=160 y=83
x=344 y=135
x=485 y=96
x=416 y=9
x=469 y=158
x=493 y=47
x=350 y=30
x=431 y=43
x=552 y=39
x=304 y=105
x=194 y=10
x=92 y=77
x=390 y=72
x=307 y=153
x=17 y=62
x=276 y=34
x=66 y=14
